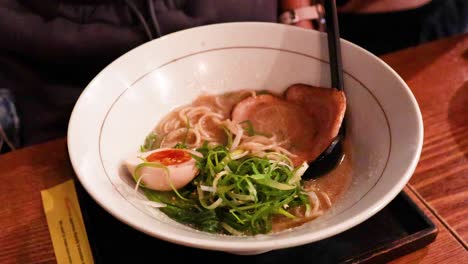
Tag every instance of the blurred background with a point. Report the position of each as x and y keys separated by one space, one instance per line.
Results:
x=51 y=49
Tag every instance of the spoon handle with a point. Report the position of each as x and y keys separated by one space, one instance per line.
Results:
x=334 y=48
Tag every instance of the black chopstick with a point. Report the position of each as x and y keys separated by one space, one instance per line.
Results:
x=334 y=48
x=334 y=54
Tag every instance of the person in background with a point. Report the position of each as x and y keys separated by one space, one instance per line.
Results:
x=383 y=26
x=51 y=49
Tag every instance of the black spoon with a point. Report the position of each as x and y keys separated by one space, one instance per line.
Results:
x=333 y=155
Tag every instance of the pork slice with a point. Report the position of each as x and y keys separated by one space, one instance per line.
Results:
x=289 y=122
x=326 y=106
x=223 y=103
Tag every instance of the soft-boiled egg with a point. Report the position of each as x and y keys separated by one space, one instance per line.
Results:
x=181 y=168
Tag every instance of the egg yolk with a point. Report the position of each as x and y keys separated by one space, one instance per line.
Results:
x=169 y=157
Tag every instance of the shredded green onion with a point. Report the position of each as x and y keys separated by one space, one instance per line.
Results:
x=151 y=142
x=239 y=196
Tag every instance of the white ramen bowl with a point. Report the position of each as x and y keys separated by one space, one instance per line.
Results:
x=127 y=99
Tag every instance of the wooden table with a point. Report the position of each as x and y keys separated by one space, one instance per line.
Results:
x=437 y=74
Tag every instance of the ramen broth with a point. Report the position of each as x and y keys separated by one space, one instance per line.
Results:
x=334 y=184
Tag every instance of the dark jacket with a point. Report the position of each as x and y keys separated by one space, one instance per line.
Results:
x=51 y=49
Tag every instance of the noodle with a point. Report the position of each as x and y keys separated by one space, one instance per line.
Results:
x=315 y=201
x=194 y=120
x=326 y=198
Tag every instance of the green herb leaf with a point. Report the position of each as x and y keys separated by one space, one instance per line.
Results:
x=150 y=142
x=180 y=146
x=248 y=127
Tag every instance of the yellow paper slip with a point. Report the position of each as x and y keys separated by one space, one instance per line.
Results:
x=66 y=224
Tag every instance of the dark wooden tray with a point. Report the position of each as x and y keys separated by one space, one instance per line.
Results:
x=396 y=230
